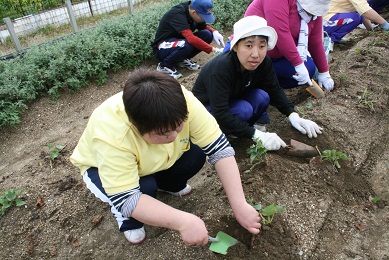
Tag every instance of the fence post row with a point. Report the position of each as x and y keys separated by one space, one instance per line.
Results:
x=72 y=19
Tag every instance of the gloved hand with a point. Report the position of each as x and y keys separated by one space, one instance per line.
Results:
x=302 y=75
x=218 y=38
x=217 y=51
x=305 y=126
x=326 y=81
x=385 y=26
x=271 y=141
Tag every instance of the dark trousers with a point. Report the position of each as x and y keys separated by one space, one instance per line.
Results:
x=250 y=107
x=173 y=179
x=171 y=56
x=285 y=70
x=378 y=5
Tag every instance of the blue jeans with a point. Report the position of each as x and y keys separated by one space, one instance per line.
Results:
x=171 y=56
x=250 y=107
x=285 y=70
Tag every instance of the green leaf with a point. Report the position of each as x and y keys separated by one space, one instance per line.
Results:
x=258 y=207
x=6 y=204
x=269 y=210
x=280 y=208
x=19 y=202
x=10 y=195
x=376 y=199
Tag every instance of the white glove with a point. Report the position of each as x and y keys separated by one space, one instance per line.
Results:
x=218 y=51
x=326 y=81
x=271 y=141
x=305 y=126
x=302 y=75
x=218 y=38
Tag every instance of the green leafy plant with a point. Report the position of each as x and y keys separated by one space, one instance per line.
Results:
x=54 y=151
x=257 y=151
x=366 y=99
x=9 y=199
x=333 y=156
x=267 y=213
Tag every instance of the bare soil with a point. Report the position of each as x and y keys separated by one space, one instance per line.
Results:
x=328 y=214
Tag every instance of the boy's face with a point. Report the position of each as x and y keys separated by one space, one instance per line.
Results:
x=164 y=138
x=251 y=51
x=196 y=17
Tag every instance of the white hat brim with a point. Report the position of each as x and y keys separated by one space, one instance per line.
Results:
x=262 y=31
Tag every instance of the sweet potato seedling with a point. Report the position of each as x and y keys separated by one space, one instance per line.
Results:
x=333 y=156
x=257 y=151
x=267 y=213
x=54 y=151
x=375 y=199
x=366 y=99
x=9 y=199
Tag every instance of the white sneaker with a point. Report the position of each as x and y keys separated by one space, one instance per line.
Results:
x=189 y=64
x=136 y=236
x=171 y=72
x=344 y=40
x=185 y=191
x=362 y=26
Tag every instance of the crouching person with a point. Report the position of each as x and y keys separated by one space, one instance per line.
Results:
x=154 y=136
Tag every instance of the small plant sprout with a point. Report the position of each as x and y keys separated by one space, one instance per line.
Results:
x=9 y=199
x=302 y=109
x=375 y=199
x=333 y=156
x=267 y=213
x=366 y=99
x=54 y=151
x=256 y=151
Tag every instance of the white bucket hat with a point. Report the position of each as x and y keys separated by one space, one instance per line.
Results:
x=254 y=25
x=315 y=7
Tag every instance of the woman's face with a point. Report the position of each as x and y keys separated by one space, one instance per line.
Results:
x=164 y=138
x=251 y=51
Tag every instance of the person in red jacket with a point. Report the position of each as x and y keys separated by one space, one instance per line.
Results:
x=182 y=34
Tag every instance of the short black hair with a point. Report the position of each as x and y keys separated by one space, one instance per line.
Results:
x=154 y=101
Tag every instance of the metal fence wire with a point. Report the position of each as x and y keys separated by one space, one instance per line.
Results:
x=26 y=26
x=59 y=16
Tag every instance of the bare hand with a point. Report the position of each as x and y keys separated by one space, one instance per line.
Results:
x=248 y=218
x=193 y=231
